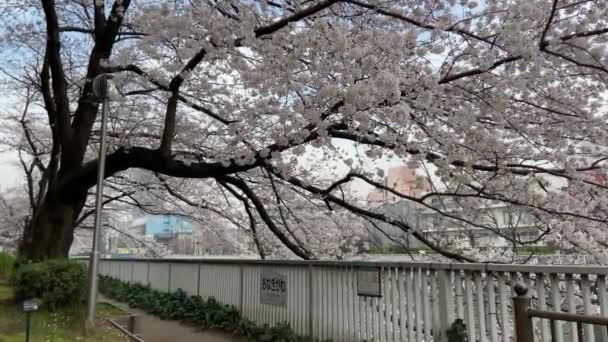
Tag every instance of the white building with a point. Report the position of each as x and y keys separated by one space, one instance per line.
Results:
x=452 y=226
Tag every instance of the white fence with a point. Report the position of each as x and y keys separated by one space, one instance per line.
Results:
x=418 y=302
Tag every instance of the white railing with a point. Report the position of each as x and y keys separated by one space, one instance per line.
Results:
x=418 y=302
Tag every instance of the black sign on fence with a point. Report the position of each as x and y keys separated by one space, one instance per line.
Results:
x=369 y=282
x=273 y=288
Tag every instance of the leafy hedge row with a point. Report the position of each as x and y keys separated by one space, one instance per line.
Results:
x=57 y=283
x=207 y=313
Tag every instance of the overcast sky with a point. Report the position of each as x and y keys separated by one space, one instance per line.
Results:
x=10 y=175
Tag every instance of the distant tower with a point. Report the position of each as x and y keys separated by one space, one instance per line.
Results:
x=402 y=179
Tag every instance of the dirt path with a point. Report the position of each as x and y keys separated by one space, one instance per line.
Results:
x=153 y=329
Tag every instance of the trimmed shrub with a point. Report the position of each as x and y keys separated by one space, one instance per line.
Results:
x=7 y=263
x=457 y=331
x=57 y=283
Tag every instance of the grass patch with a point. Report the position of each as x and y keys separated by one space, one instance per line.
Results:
x=6 y=265
x=64 y=325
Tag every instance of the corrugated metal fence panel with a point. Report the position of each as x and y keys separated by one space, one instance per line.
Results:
x=220 y=281
x=159 y=276
x=296 y=310
x=126 y=271
x=108 y=267
x=185 y=277
x=335 y=295
x=140 y=272
x=104 y=267
x=115 y=269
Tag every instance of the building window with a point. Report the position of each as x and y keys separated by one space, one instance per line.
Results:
x=437 y=221
x=436 y=202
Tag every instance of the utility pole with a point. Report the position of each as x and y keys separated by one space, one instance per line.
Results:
x=100 y=90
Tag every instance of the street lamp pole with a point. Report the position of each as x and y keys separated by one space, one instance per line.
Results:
x=100 y=90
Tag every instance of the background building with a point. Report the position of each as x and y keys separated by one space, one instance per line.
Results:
x=445 y=221
x=402 y=179
x=171 y=234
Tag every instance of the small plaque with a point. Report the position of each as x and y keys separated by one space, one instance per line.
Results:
x=30 y=305
x=369 y=282
x=273 y=288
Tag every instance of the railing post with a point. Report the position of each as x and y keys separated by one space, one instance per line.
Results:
x=524 y=330
x=310 y=301
x=241 y=281
x=198 y=280
x=169 y=279
x=446 y=304
x=131 y=324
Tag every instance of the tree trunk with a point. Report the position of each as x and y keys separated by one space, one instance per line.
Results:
x=50 y=233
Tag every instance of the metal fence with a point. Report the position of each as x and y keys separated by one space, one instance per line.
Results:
x=524 y=316
x=416 y=302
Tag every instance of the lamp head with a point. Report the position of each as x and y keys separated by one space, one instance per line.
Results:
x=101 y=85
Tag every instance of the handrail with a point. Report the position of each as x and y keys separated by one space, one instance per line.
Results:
x=130 y=331
x=479 y=267
x=563 y=316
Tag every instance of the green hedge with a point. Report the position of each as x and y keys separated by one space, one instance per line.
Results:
x=537 y=250
x=395 y=249
x=207 y=313
x=458 y=331
x=7 y=263
x=57 y=283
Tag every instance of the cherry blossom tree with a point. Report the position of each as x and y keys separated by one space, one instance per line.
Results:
x=504 y=98
x=13 y=217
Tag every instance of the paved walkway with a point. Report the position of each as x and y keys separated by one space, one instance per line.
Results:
x=153 y=329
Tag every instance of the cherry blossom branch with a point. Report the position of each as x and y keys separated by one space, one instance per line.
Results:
x=257 y=203
x=171 y=112
x=485 y=195
x=58 y=81
x=92 y=31
x=548 y=25
x=28 y=170
x=137 y=70
x=191 y=203
x=281 y=23
x=422 y=202
x=108 y=200
x=584 y=34
x=281 y=215
x=574 y=61
x=397 y=15
x=360 y=211
x=477 y=71
x=88 y=104
x=252 y=220
x=514 y=168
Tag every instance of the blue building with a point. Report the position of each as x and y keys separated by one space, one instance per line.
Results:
x=166 y=226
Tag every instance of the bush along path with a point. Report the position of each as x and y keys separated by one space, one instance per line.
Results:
x=206 y=313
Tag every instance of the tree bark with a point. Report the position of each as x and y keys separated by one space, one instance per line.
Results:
x=51 y=232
